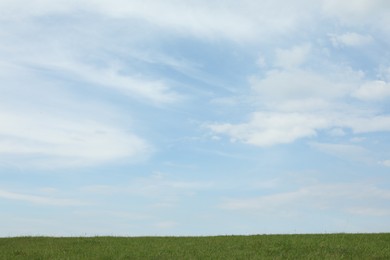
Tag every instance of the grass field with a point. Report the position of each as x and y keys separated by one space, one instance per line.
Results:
x=321 y=246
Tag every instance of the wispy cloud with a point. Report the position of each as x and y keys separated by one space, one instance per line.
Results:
x=198 y=18
x=114 y=77
x=155 y=185
x=345 y=151
x=45 y=125
x=45 y=140
x=40 y=200
x=322 y=197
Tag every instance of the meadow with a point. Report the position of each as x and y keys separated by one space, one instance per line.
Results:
x=314 y=246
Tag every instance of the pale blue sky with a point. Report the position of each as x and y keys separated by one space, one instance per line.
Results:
x=190 y=117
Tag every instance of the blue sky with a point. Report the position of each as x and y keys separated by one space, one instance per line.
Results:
x=190 y=117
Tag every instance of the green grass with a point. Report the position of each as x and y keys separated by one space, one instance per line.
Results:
x=321 y=246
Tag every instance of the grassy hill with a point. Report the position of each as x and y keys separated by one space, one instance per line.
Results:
x=321 y=246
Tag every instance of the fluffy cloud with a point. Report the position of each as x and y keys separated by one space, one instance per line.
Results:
x=270 y=128
x=306 y=92
x=265 y=129
x=291 y=96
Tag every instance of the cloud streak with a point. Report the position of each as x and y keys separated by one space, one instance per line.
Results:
x=40 y=200
x=322 y=197
x=155 y=91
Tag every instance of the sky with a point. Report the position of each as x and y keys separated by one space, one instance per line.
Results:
x=187 y=118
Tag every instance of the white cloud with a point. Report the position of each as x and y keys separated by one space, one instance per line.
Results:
x=299 y=103
x=239 y=22
x=367 y=123
x=294 y=57
x=274 y=127
x=373 y=91
x=267 y=128
x=307 y=99
x=44 y=125
x=351 y=39
x=113 y=76
x=155 y=91
x=195 y=17
x=45 y=140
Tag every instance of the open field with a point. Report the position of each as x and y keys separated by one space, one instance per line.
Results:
x=321 y=246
